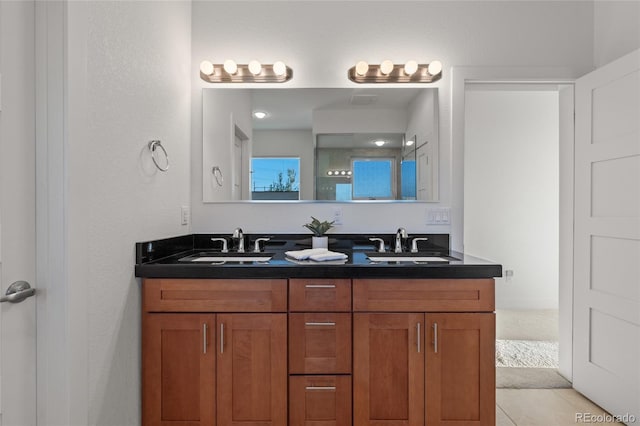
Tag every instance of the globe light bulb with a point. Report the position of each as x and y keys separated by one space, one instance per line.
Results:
x=230 y=66
x=206 y=68
x=410 y=67
x=255 y=67
x=279 y=68
x=435 y=67
x=362 y=67
x=386 y=67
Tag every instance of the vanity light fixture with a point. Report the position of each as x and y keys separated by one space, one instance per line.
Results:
x=253 y=72
x=388 y=72
x=339 y=173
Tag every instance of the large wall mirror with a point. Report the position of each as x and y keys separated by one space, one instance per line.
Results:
x=342 y=144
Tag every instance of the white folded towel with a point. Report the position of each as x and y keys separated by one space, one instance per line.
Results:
x=305 y=254
x=319 y=254
x=328 y=255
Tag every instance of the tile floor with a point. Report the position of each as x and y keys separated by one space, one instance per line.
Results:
x=544 y=407
x=538 y=407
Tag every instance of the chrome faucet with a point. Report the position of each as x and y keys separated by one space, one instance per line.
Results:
x=380 y=242
x=256 y=243
x=400 y=234
x=238 y=235
x=414 y=243
x=225 y=249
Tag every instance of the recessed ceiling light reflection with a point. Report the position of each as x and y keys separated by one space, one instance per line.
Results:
x=260 y=114
x=409 y=142
x=379 y=143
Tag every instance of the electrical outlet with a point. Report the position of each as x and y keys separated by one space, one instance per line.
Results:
x=185 y=215
x=337 y=216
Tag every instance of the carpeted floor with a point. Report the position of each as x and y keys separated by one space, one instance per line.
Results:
x=528 y=364
x=527 y=353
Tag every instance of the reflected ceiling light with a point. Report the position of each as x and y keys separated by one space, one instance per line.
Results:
x=255 y=67
x=435 y=67
x=206 y=68
x=388 y=72
x=362 y=67
x=279 y=68
x=230 y=66
x=260 y=114
x=410 y=67
x=386 y=67
x=409 y=142
x=253 y=72
x=379 y=143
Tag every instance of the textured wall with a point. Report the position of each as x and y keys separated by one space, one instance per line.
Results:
x=321 y=40
x=128 y=83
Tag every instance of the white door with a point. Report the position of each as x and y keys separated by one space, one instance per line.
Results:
x=17 y=213
x=606 y=344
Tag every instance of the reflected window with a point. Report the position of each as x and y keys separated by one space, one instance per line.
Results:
x=408 y=180
x=275 y=178
x=373 y=179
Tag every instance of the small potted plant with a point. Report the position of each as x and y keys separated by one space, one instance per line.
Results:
x=319 y=240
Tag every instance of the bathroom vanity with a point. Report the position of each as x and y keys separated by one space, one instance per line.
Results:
x=281 y=342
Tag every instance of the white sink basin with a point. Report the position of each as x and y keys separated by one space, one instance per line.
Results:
x=383 y=258
x=219 y=257
x=210 y=259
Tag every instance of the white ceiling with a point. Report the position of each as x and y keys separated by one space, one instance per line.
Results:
x=292 y=108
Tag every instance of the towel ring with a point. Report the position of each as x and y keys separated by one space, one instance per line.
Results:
x=152 y=147
x=217 y=174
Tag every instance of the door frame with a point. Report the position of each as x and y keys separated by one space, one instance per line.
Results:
x=460 y=76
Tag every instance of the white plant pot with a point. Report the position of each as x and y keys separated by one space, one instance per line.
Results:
x=319 y=242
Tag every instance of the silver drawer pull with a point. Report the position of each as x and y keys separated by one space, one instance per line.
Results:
x=435 y=337
x=418 y=337
x=221 y=338
x=331 y=388
x=320 y=286
x=204 y=338
x=320 y=324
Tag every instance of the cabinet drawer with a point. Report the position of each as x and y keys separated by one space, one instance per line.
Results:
x=320 y=343
x=320 y=295
x=320 y=400
x=423 y=295
x=204 y=295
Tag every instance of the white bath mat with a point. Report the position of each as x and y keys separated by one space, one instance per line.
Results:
x=527 y=353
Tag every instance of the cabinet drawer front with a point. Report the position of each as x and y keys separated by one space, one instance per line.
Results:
x=320 y=343
x=320 y=400
x=320 y=295
x=203 y=295
x=423 y=295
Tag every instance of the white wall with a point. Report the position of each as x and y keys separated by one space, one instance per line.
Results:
x=616 y=30
x=289 y=143
x=512 y=191
x=126 y=82
x=225 y=111
x=322 y=40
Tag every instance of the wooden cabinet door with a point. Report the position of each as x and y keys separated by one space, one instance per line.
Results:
x=178 y=370
x=460 y=374
x=320 y=401
x=252 y=369
x=388 y=369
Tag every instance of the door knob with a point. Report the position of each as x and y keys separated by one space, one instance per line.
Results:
x=17 y=292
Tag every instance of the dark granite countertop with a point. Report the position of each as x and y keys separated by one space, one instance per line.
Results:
x=168 y=258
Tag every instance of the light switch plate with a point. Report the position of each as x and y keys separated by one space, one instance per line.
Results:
x=184 y=215
x=439 y=216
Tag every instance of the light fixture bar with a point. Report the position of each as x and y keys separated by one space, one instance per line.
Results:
x=397 y=75
x=244 y=75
